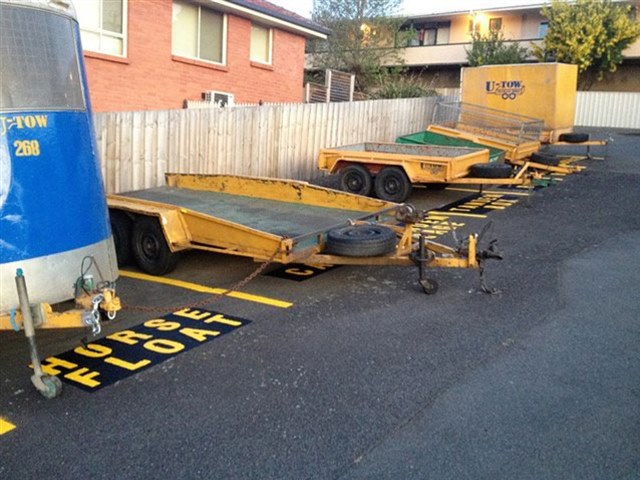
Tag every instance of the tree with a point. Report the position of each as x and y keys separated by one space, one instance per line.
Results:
x=588 y=33
x=397 y=83
x=490 y=49
x=365 y=33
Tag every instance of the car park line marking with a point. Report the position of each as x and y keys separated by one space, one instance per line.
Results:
x=490 y=192
x=203 y=289
x=5 y=426
x=434 y=226
x=457 y=214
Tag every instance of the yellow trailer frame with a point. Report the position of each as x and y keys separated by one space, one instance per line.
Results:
x=421 y=163
x=213 y=213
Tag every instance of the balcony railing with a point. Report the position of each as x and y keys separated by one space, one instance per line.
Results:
x=447 y=54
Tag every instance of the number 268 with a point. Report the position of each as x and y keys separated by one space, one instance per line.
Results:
x=27 y=148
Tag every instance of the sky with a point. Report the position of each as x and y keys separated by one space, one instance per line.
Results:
x=416 y=7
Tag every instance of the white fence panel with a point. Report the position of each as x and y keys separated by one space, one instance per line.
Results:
x=593 y=109
x=608 y=109
x=283 y=141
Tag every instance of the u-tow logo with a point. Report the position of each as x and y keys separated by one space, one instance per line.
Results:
x=507 y=89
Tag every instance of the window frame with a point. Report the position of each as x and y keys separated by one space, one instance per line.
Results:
x=223 y=56
x=543 y=26
x=495 y=20
x=102 y=32
x=421 y=30
x=270 y=40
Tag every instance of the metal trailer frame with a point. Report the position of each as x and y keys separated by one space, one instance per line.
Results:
x=422 y=164
x=517 y=135
x=221 y=221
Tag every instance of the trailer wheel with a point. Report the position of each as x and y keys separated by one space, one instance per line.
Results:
x=121 y=226
x=53 y=386
x=545 y=159
x=361 y=241
x=429 y=286
x=393 y=185
x=490 y=170
x=150 y=248
x=356 y=179
x=574 y=137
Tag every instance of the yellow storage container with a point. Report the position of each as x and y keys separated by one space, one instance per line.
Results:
x=542 y=90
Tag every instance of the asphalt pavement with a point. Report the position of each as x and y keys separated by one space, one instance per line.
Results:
x=356 y=374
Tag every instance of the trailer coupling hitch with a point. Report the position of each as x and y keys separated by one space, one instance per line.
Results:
x=490 y=253
x=407 y=213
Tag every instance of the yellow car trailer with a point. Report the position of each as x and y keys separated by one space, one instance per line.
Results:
x=390 y=169
x=280 y=221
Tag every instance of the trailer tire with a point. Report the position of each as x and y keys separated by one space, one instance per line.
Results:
x=392 y=185
x=545 y=159
x=490 y=170
x=150 y=249
x=574 y=137
x=361 y=241
x=121 y=226
x=356 y=179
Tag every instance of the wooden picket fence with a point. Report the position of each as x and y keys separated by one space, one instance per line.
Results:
x=279 y=141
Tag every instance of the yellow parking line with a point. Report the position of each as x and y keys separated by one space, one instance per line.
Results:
x=472 y=215
x=202 y=289
x=471 y=190
x=5 y=426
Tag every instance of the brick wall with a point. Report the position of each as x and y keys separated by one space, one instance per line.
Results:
x=150 y=78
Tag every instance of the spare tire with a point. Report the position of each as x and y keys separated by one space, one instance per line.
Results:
x=361 y=241
x=574 y=137
x=490 y=170
x=545 y=159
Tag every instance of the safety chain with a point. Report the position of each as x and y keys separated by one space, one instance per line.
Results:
x=208 y=300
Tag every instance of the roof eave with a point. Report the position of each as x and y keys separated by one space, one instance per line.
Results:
x=240 y=8
x=536 y=6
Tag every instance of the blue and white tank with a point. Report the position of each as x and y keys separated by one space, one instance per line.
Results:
x=53 y=211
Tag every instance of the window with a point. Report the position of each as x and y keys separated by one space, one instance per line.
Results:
x=40 y=69
x=474 y=26
x=542 y=29
x=443 y=35
x=261 y=44
x=429 y=36
x=198 y=32
x=433 y=33
x=495 y=24
x=103 y=25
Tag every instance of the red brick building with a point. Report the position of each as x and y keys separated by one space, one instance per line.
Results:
x=155 y=54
